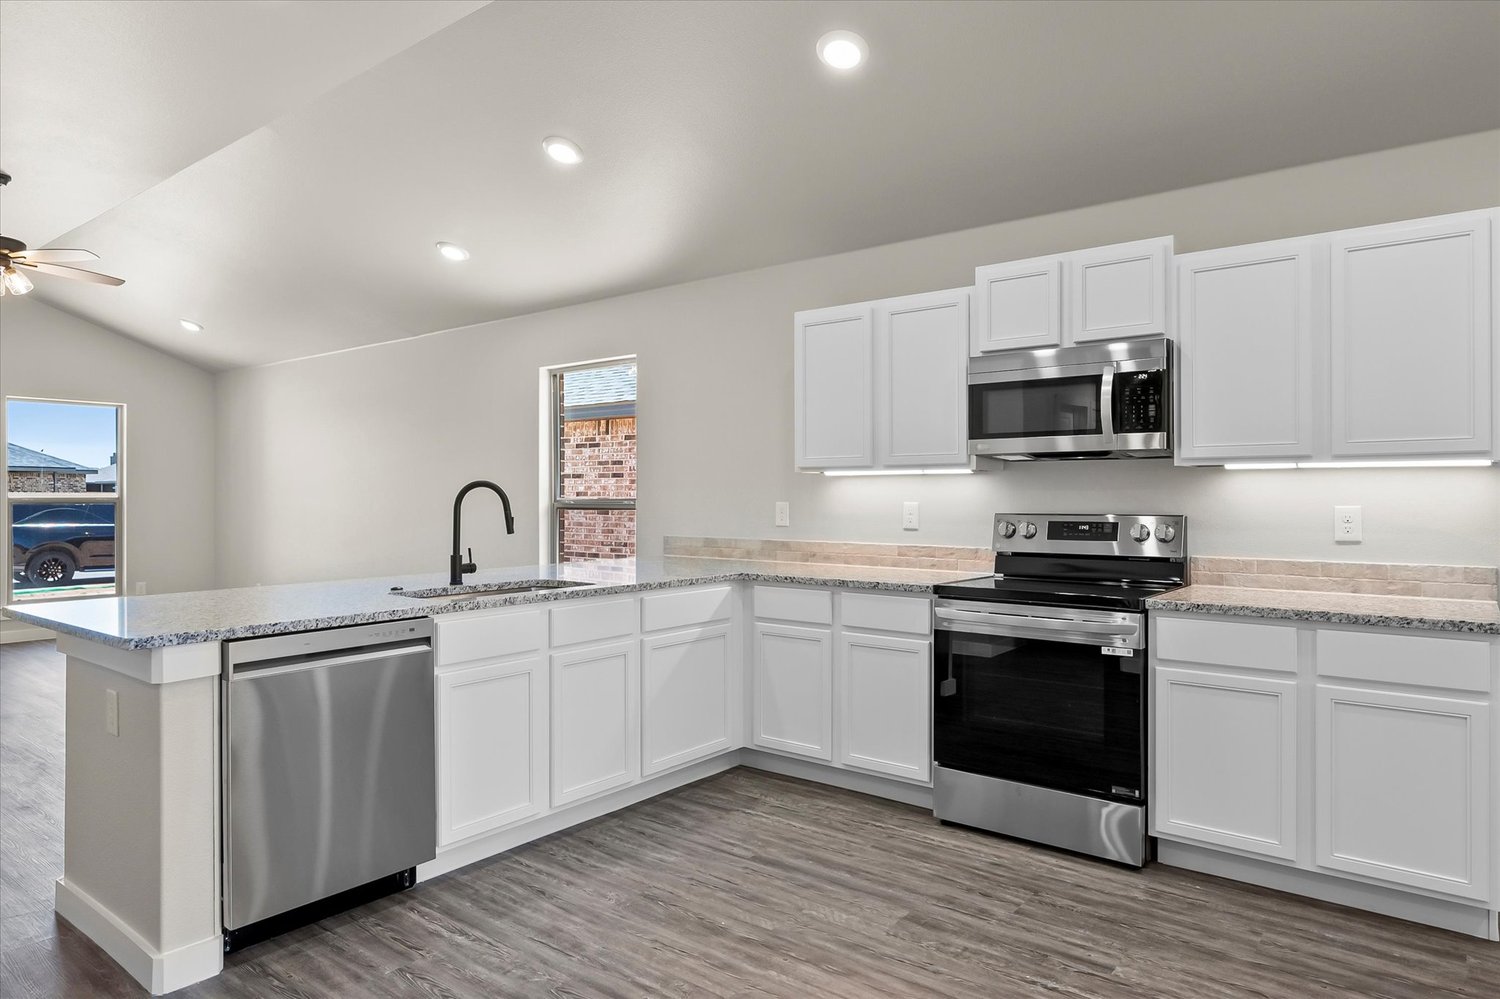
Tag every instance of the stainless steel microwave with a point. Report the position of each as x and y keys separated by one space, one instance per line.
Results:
x=1105 y=400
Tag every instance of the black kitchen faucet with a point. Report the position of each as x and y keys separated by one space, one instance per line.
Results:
x=456 y=565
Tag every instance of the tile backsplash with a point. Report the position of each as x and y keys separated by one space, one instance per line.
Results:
x=1454 y=582
x=834 y=553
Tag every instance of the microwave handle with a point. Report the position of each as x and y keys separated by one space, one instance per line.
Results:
x=1107 y=404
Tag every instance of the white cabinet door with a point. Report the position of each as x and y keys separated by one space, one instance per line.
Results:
x=492 y=747
x=687 y=703
x=595 y=720
x=1226 y=760
x=793 y=682
x=921 y=380
x=885 y=719
x=1017 y=304
x=834 y=414
x=1119 y=291
x=1412 y=336
x=1403 y=789
x=1249 y=325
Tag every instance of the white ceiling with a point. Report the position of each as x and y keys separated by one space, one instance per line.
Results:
x=280 y=171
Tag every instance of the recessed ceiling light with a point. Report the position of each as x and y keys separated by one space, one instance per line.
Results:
x=190 y=326
x=562 y=150
x=842 y=49
x=452 y=252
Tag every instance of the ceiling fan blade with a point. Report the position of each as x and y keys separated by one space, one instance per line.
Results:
x=54 y=256
x=76 y=273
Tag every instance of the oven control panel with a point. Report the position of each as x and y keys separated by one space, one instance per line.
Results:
x=1148 y=535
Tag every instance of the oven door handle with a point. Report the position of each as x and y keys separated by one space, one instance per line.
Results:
x=1057 y=629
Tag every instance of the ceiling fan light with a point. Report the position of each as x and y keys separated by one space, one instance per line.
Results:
x=15 y=282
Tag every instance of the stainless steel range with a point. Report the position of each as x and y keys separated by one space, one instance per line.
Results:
x=1039 y=706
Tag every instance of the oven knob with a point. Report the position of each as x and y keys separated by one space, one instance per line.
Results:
x=1141 y=533
x=1005 y=529
x=1028 y=529
x=1165 y=533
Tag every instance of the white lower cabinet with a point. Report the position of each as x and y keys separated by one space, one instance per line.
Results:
x=1226 y=760
x=886 y=707
x=1403 y=788
x=687 y=702
x=793 y=683
x=595 y=720
x=492 y=747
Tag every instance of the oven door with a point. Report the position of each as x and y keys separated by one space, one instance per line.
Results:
x=1051 y=698
x=1041 y=411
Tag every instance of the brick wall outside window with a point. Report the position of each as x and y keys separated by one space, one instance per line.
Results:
x=597 y=460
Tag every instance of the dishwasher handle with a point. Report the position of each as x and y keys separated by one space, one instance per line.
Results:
x=249 y=671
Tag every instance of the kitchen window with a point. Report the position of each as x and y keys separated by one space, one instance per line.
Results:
x=593 y=460
x=64 y=499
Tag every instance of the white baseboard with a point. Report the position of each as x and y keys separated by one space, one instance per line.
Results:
x=1474 y=921
x=849 y=780
x=157 y=971
x=17 y=631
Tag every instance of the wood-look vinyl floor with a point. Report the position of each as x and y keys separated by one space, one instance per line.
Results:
x=744 y=885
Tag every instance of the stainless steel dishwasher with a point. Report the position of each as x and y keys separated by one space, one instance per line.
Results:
x=329 y=772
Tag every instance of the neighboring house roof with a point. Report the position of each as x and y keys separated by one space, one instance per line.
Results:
x=105 y=476
x=599 y=393
x=23 y=459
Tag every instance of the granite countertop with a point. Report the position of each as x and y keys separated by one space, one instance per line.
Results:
x=1376 y=610
x=161 y=620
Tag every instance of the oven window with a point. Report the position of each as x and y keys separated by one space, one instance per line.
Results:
x=1050 y=407
x=1053 y=714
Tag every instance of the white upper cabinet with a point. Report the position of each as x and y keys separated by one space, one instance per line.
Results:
x=1367 y=343
x=1119 y=291
x=1017 y=305
x=1103 y=293
x=834 y=386
x=921 y=372
x=1412 y=335
x=884 y=384
x=1248 y=330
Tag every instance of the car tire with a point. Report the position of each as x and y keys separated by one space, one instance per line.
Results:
x=50 y=568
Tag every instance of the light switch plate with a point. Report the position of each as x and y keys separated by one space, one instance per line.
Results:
x=783 y=514
x=909 y=516
x=1348 y=525
x=111 y=712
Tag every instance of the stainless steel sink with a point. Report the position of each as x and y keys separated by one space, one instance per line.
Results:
x=473 y=590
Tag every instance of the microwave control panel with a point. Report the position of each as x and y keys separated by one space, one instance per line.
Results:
x=1140 y=403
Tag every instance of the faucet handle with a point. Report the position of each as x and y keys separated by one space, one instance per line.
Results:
x=469 y=566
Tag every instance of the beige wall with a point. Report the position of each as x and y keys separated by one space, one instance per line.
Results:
x=316 y=478
x=169 y=436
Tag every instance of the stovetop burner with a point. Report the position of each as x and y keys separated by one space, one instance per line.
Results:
x=1107 y=561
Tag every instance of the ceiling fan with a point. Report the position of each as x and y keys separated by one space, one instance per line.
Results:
x=16 y=260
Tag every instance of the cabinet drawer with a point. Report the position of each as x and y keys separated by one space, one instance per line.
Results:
x=684 y=608
x=1415 y=659
x=1227 y=643
x=873 y=612
x=786 y=604
x=465 y=638
x=592 y=621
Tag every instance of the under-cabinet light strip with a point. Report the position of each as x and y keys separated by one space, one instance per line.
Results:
x=897 y=471
x=1415 y=463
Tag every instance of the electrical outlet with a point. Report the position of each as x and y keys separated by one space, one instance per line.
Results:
x=908 y=516
x=783 y=514
x=111 y=712
x=1348 y=525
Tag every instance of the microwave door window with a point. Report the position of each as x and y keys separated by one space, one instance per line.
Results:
x=1052 y=407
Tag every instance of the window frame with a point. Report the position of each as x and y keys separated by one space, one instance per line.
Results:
x=556 y=501
x=73 y=499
